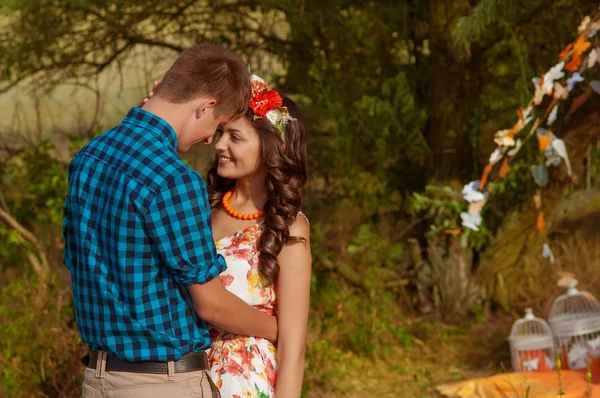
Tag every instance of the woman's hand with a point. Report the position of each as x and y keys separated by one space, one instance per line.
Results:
x=150 y=94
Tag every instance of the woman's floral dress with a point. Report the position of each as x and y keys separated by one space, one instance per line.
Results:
x=243 y=366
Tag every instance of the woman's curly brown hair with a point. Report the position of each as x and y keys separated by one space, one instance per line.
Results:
x=285 y=162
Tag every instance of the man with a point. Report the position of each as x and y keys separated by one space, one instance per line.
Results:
x=138 y=242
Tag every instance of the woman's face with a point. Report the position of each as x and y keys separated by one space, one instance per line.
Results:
x=238 y=148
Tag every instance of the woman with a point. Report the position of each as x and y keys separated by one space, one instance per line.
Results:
x=255 y=189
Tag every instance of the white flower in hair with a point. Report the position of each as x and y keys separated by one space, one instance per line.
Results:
x=256 y=78
x=274 y=116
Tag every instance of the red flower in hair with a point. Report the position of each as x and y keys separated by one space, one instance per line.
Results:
x=258 y=87
x=264 y=102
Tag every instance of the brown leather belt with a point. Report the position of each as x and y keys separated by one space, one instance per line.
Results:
x=189 y=363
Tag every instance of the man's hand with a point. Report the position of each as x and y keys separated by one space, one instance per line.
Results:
x=150 y=94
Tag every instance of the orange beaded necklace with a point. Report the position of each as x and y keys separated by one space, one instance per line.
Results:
x=237 y=215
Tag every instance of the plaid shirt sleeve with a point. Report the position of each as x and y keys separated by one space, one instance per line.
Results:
x=178 y=222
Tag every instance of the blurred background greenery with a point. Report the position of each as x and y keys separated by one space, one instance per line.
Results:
x=403 y=100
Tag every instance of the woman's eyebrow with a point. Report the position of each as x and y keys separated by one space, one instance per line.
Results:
x=232 y=130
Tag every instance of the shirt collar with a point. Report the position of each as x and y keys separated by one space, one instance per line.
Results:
x=144 y=119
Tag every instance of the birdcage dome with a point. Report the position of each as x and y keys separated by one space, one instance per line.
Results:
x=530 y=333
x=531 y=344
x=574 y=313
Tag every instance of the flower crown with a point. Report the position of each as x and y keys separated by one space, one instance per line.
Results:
x=267 y=102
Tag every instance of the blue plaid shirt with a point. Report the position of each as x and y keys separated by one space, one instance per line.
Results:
x=137 y=233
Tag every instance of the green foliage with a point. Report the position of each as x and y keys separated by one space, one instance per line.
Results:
x=368 y=74
x=40 y=344
x=443 y=206
x=43 y=182
x=40 y=347
x=357 y=323
x=372 y=251
x=391 y=127
x=472 y=27
x=35 y=185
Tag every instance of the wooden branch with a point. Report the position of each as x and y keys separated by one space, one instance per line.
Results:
x=155 y=43
x=3 y=202
x=40 y=264
x=413 y=224
x=348 y=273
x=15 y=369
x=578 y=206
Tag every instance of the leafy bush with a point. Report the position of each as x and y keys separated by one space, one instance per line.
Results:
x=40 y=345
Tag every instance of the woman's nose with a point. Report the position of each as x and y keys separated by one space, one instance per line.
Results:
x=220 y=144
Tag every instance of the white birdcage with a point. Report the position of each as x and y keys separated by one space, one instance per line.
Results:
x=531 y=344
x=575 y=322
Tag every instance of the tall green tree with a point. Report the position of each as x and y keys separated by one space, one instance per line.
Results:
x=399 y=94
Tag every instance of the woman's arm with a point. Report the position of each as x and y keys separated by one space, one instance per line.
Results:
x=293 y=298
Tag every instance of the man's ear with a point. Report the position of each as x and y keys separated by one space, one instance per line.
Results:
x=203 y=105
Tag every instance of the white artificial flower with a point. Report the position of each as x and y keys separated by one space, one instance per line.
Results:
x=560 y=92
x=538 y=95
x=525 y=122
x=470 y=192
x=578 y=356
x=555 y=73
x=593 y=29
x=592 y=58
x=516 y=149
x=594 y=346
x=561 y=148
x=573 y=80
x=584 y=24
x=503 y=139
x=531 y=365
x=527 y=112
x=552 y=115
x=496 y=156
x=274 y=116
x=256 y=78
x=526 y=118
x=285 y=119
x=471 y=220
x=547 y=253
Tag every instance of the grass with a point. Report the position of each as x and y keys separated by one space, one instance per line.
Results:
x=438 y=354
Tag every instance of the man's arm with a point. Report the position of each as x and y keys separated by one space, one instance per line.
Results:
x=217 y=305
x=178 y=222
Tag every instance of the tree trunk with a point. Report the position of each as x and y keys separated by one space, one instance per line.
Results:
x=454 y=87
x=512 y=268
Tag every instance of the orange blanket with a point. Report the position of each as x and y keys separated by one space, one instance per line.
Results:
x=540 y=385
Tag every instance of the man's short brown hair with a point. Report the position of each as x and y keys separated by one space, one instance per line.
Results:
x=208 y=70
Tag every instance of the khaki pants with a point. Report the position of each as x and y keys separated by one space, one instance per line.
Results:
x=99 y=383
